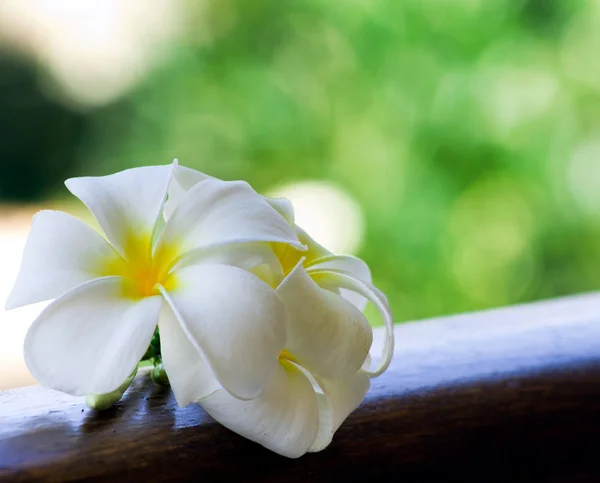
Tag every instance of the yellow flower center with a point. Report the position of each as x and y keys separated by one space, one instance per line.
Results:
x=289 y=257
x=285 y=355
x=142 y=270
x=286 y=359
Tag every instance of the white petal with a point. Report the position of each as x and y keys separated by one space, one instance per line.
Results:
x=91 y=339
x=258 y=258
x=367 y=363
x=315 y=250
x=349 y=265
x=336 y=280
x=126 y=204
x=235 y=319
x=289 y=256
x=61 y=253
x=183 y=180
x=340 y=397
x=190 y=376
x=355 y=299
x=217 y=212
x=326 y=334
x=284 y=418
x=284 y=207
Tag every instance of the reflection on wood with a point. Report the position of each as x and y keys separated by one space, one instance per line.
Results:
x=505 y=395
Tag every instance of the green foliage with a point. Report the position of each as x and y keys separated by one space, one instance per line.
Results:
x=466 y=129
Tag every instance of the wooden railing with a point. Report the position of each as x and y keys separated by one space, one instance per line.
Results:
x=505 y=395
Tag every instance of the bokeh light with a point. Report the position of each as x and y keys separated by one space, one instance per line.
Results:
x=94 y=51
x=325 y=211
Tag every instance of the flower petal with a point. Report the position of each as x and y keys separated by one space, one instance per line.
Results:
x=289 y=255
x=126 y=204
x=90 y=340
x=235 y=319
x=349 y=265
x=190 y=376
x=217 y=212
x=284 y=207
x=337 y=280
x=314 y=249
x=326 y=334
x=340 y=397
x=183 y=180
x=186 y=178
x=284 y=418
x=61 y=253
x=258 y=258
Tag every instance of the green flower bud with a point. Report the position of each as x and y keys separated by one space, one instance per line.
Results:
x=159 y=375
x=100 y=402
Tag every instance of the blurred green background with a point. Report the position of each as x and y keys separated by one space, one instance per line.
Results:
x=452 y=144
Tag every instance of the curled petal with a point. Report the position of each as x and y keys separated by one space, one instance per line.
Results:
x=326 y=334
x=284 y=207
x=61 y=253
x=314 y=250
x=352 y=266
x=236 y=320
x=182 y=181
x=217 y=212
x=91 y=339
x=338 y=280
x=289 y=255
x=126 y=204
x=348 y=265
x=284 y=418
x=190 y=376
x=338 y=399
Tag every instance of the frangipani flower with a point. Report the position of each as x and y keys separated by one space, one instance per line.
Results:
x=324 y=370
x=317 y=273
x=189 y=278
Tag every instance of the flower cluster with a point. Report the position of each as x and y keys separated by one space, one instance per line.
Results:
x=252 y=319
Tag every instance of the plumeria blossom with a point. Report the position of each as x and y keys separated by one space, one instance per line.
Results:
x=222 y=327
x=325 y=369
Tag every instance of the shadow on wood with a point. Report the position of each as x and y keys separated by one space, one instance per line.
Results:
x=505 y=395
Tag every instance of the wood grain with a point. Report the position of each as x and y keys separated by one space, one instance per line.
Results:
x=505 y=395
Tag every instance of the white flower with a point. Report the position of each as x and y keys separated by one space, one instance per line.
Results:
x=324 y=370
x=220 y=325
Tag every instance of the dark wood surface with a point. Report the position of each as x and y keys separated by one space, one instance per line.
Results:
x=506 y=395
